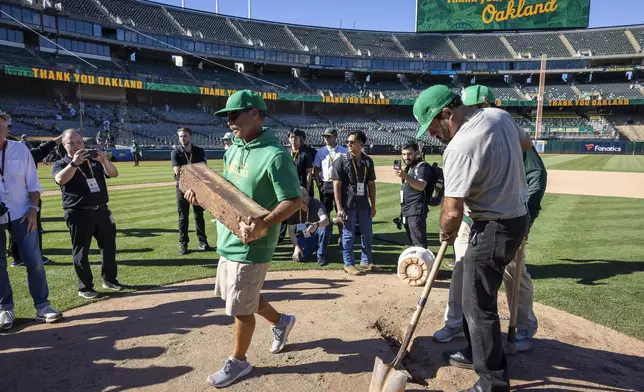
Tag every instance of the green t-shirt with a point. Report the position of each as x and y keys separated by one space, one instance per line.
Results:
x=536 y=177
x=265 y=172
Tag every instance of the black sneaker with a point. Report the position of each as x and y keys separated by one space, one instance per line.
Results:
x=88 y=293
x=322 y=262
x=113 y=285
x=205 y=246
x=458 y=359
x=45 y=260
x=183 y=249
x=17 y=263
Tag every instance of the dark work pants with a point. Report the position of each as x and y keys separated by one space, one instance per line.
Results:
x=13 y=247
x=83 y=225
x=183 y=207
x=416 y=227
x=493 y=245
x=136 y=159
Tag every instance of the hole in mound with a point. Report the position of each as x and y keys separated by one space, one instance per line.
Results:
x=393 y=334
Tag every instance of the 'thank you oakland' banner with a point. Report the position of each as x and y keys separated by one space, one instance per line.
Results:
x=477 y=15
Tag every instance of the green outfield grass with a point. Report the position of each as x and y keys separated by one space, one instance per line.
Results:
x=584 y=252
x=150 y=172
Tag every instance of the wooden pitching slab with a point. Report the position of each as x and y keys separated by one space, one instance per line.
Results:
x=221 y=198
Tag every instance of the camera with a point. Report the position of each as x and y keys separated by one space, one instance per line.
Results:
x=344 y=218
x=93 y=153
x=3 y=208
x=397 y=164
x=398 y=223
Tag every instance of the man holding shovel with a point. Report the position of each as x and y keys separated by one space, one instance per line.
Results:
x=536 y=176
x=485 y=180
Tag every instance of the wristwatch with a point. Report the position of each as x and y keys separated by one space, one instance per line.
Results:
x=35 y=208
x=72 y=164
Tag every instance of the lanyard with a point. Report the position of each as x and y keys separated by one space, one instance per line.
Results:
x=188 y=157
x=355 y=169
x=4 y=157
x=90 y=169
x=300 y=213
x=294 y=155
x=332 y=157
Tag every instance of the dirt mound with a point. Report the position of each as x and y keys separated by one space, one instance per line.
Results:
x=171 y=338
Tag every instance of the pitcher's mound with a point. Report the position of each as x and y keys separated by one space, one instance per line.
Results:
x=171 y=338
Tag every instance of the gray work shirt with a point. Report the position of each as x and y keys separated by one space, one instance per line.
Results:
x=484 y=165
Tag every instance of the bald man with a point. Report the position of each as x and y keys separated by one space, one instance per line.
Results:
x=82 y=182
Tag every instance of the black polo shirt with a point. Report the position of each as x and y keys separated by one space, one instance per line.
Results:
x=413 y=201
x=76 y=193
x=345 y=171
x=179 y=157
x=303 y=160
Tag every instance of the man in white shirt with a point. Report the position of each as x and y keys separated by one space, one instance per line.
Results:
x=323 y=166
x=19 y=196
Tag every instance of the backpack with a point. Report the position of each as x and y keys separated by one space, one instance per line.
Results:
x=435 y=190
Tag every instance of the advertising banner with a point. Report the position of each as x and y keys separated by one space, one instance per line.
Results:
x=602 y=148
x=479 y=15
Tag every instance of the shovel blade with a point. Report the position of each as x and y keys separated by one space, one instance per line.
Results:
x=387 y=379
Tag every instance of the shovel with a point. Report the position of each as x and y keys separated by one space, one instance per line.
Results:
x=385 y=377
x=511 y=347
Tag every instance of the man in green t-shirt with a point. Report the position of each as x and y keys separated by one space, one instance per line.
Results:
x=258 y=166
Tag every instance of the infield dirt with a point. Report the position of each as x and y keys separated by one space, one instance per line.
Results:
x=171 y=338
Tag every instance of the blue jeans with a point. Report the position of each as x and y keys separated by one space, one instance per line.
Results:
x=363 y=217
x=319 y=240
x=29 y=247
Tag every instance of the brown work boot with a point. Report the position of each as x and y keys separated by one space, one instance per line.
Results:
x=352 y=270
x=371 y=268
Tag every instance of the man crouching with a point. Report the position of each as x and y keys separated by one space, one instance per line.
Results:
x=258 y=166
x=307 y=229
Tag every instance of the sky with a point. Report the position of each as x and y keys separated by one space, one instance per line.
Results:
x=386 y=15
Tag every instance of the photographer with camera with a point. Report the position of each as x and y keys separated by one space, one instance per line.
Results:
x=415 y=178
x=307 y=229
x=19 y=197
x=187 y=153
x=81 y=177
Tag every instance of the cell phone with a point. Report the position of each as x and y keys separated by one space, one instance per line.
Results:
x=93 y=153
x=396 y=164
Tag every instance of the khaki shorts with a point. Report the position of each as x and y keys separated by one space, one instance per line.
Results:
x=239 y=284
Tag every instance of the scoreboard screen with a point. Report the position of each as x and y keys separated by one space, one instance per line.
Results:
x=481 y=15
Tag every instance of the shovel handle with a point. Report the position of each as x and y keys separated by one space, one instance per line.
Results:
x=421 y=304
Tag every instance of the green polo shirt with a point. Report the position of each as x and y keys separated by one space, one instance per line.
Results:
x=265 y=172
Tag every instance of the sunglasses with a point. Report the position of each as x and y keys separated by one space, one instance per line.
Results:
x=233 y=116
x=353 y=141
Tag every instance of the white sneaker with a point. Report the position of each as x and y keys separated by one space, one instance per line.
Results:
x=48 y=314
x=6 y=319
x=280 y=333
x=88 y=293
x=446 y=334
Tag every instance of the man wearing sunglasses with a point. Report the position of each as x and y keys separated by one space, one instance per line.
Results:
x=354 y=186
x=258 y=166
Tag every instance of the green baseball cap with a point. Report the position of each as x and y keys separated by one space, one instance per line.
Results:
x=429 y=104
x=478 y=94
x=242 y=100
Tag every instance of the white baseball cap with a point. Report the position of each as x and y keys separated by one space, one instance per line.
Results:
x=227 y=136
